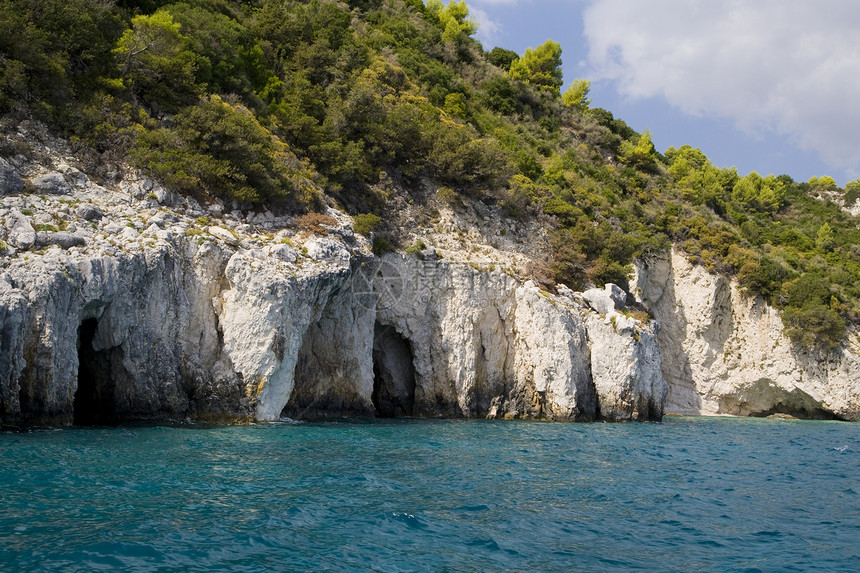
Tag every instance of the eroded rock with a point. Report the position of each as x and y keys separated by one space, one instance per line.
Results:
x=89 y=212
x=61 y=238
x=52 y=184
x=605 y=300
x=19 y=230
x=10 y=180
x=718 y=345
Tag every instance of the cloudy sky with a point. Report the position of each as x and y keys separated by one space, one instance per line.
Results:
x=769 y=85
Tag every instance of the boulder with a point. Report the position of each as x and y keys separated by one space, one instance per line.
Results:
x=60 y=238
x=428 y=254
x=224 y=235
x=605 y=300
x=19 y=230
x=74 y=176
x=52 y=184
x=10 y=181
x=89 y=212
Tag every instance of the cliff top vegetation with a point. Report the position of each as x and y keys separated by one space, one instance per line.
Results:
x=300 y=102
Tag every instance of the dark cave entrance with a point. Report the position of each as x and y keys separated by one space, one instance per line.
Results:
x=94 y=398
x=393 y=374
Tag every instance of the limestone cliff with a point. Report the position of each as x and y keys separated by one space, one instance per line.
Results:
x=125 y=301
x=725 y=352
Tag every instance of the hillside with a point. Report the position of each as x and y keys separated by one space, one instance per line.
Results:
x=388 y=110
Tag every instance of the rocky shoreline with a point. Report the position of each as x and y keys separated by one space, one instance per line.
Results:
x=123 y=301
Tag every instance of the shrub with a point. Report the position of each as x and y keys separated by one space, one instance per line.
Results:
x=852 y=192
x=416 y=247
x=808 y=289
x=814 y=326
x=502 y=58
x=365 y=223
x=446 y=195
x=314 y=223
x=223 y=150
x=381 y=246
x=764 y=277
x=609 y=271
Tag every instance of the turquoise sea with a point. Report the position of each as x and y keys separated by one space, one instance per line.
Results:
x=687 y=494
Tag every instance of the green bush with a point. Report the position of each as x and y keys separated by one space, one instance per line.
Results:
x=381 y=246
x=814 y=326
x=502 y=58
x=416 y=247
x=221 y=149
x=365 y=223
x=764 y=276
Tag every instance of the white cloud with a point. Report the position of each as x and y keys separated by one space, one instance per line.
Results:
x=488 y=29
x=790 y=66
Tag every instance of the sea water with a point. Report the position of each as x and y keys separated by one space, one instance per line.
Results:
x=687 y=494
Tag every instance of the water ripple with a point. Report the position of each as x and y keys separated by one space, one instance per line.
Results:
x=688 y=494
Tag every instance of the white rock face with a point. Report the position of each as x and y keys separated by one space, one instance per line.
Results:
x=626 y=367
x=552 y=355
x=283 y=334
x=605 y=300
x=485 y=345
x=193 y=329
x=726 y=353
x=133 y=310
x=20 y=232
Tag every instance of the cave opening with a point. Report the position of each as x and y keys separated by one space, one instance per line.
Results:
x=393 y=374
x=94 y=398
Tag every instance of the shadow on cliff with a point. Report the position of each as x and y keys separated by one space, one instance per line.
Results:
x=393 y=374
x=94 y=401
x=672 y=325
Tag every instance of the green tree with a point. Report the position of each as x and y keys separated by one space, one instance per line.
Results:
x=455 y=105
x=223 y=150
x=229 y=61
x=814 y=326
x=502 y=95
x=54 y=53
x=502 y=58
x=825 y=239
x=699 y=180
x=576 y=96
x=761 y=193
x=154 y=62
x=640 y=155
x=155 y=36
x=540 y=67
x=454 y=19
x=852 y=192
x=826 y=182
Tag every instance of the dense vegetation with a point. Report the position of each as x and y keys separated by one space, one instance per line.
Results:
x=285 y=101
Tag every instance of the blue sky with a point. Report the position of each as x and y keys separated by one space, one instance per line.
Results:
x=769 y=85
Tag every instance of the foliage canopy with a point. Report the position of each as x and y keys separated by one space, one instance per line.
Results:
x=283 y=101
